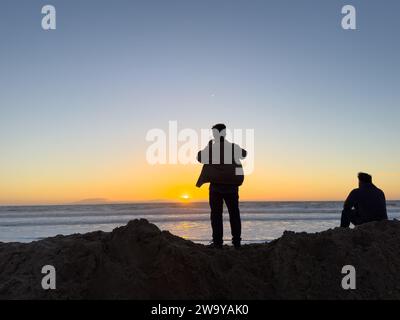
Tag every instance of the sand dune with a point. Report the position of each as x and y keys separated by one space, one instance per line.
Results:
x=138 y=261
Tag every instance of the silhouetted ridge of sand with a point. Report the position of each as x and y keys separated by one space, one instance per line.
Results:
x=138 y=261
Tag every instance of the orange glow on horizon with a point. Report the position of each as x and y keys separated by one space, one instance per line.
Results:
x=123 y=182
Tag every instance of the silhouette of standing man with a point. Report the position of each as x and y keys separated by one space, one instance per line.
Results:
x=223 y=170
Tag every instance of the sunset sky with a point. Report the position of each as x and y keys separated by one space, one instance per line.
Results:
x=77 y=102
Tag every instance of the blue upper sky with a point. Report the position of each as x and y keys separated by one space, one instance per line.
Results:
x=114 y=69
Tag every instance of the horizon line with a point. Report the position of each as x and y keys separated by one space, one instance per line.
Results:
x=155 y=202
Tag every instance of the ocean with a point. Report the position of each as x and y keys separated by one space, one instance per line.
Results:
x=261 y=221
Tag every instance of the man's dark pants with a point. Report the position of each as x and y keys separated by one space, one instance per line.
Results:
x=216 y=205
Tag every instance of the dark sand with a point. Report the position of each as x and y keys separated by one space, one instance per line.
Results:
x=138 y=261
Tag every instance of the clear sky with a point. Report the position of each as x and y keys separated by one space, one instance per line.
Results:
x=76 y=103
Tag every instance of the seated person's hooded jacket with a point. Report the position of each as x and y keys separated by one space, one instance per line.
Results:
x=366 y=203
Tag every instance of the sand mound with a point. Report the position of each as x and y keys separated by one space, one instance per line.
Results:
x=138 y=261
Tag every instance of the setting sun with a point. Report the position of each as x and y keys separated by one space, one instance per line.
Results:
x=185 y=196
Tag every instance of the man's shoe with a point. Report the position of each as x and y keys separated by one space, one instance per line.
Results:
x=215 y=245
x=237 y=246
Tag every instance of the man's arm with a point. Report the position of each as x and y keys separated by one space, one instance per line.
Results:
x=244 y=154
x=385 y=216
x=238 y=152
x=350 y=201
x=203 y=156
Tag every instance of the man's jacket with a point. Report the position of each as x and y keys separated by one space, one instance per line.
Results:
x=221 y=163
x=369 y=203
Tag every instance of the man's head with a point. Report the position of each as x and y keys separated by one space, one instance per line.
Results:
x=364 y=178
x=219 y=130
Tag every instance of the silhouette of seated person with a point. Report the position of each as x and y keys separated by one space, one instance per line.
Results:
x=223 y=170
x=365 y=204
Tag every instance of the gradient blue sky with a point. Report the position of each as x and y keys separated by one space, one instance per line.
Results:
x=76 y=102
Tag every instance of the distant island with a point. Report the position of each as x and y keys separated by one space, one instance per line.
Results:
x=99 y=201
x=92 y=201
